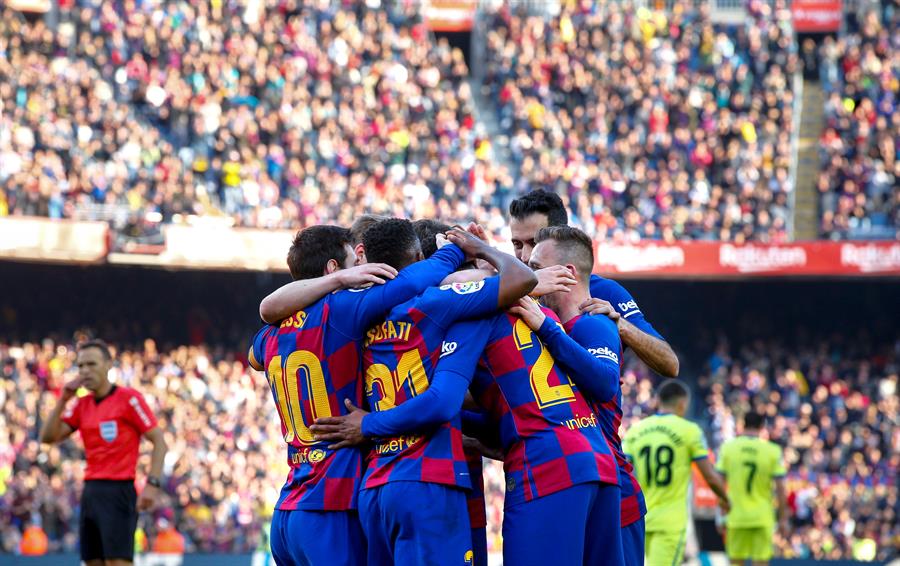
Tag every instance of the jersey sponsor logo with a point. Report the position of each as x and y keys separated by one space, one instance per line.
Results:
x=140 y=411
x=296 y=320
x=447 y=348
x=109 y=430
x=581 y=422
x=605 y=353
x=397 y=444
x=464 y=288
x=307 y=456
x=628 y=309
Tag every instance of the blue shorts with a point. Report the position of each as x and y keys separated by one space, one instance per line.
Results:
x=410 y=522
x=317 y=538
x=479 y=547
x=633 y=543
x=577 y=526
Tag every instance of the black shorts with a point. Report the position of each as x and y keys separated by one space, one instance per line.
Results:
x=108 y=520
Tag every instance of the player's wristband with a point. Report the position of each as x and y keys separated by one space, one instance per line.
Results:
x=155 y=482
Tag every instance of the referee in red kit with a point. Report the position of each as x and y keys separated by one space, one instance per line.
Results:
x=111 y=421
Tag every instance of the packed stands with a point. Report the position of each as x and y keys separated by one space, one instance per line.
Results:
x=225 y=463
x=833 y=406
x=655 y=126
x=262 y=114
x=859 y=179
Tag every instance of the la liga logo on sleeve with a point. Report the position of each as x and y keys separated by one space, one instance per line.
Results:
x=464 y=288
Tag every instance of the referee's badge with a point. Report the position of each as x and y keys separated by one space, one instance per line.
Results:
x=109 y=430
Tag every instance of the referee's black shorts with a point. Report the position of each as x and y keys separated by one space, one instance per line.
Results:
x=108 y=520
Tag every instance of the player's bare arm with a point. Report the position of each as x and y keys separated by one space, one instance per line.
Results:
x=516 y=279
x=298 y=295
x=152 y=490
x=715 y=480
x=656 y=353
x=54 y=430
x=783 y=509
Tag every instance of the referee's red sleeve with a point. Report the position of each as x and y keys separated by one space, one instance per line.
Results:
x=72 y=414
x=140 y=414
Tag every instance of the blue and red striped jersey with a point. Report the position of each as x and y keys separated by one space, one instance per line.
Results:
x=313 y=361
x=610 y=417
x=399 y=360
x=549 y=433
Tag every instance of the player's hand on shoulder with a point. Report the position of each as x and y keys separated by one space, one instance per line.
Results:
x=345 y=430
x=365 y=274
x=553 y=279
x=530 y=311
x=600 y=307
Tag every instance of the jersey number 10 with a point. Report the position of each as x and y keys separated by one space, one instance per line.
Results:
x=285 y=380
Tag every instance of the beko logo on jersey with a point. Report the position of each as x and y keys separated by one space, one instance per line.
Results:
x=624 y=308
x=604 y=352
x=464 y=288
x=447 y=348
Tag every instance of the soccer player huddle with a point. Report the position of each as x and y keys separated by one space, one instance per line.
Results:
x=404 y=351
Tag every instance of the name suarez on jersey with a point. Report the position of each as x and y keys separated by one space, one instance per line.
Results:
x=389 y=330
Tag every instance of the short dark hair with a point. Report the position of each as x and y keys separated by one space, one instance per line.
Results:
x=393 y=242
x=754 y=420
x=426 y=230
x=314 y=247
x=574 y=245
x=98 y=344
x=361 y=224
x=543 y=202
x=671 y=390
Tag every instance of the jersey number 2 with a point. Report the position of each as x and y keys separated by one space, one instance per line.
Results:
x=300 y=365
x=546 y=395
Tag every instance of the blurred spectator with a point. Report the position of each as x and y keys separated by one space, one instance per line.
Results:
x=653 y=125
x=272 y=114
x=833 y=407
x=859 y=180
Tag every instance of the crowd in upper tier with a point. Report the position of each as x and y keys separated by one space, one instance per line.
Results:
x=287 y=113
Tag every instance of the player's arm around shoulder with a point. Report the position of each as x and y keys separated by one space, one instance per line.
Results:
x=614 y=301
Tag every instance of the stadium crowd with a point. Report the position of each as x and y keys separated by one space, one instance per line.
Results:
x=225 y=463
x=834 y=407
x=655 y=126
x=267 y=114
x=291 y=113
x=859 y=179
